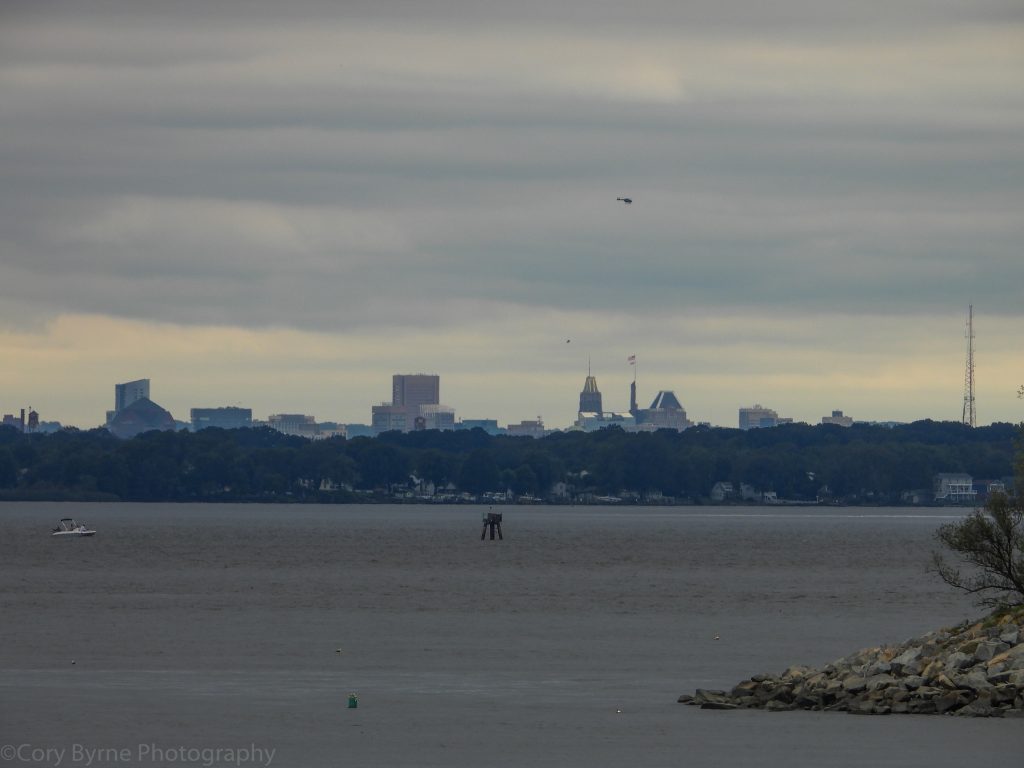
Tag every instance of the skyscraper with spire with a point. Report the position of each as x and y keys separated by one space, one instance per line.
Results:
x=590 y=397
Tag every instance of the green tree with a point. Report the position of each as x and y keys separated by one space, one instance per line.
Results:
x=992 y=542
x=524 y=480
x=436 y=467
x=479 y=472
x=8 y=469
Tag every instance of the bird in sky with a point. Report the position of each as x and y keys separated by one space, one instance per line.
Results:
x=626 y=200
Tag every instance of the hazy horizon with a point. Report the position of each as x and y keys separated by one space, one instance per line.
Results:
x=280 y=207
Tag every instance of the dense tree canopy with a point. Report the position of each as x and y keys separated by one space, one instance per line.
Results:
x=859 y=464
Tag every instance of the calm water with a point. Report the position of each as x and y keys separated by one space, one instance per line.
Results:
x=203 y=627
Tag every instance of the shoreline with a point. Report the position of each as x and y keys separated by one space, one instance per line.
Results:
x=975 y=669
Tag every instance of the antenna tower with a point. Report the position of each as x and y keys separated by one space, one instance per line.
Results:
x=969 y=415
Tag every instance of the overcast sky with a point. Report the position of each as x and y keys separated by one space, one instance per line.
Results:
x=280 y=205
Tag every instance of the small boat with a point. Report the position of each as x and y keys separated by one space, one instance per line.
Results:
x=68 y=527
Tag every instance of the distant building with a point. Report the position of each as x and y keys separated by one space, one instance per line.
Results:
x=490 y=426
x=592 y=422
x=590 y=397
x=10 y=420
x=387 y=417
x=757 y=417
x=722 y=490
x=329 y=429
x=227 y=417
x=127 y=393
x=666 y=412
x=954 y=488
x=436 y=416
x=415 y=404
x=298 y=424
x=995 y=486
x=527 y=429
x=141 y=415
x=416 y=389
x=838 y=418
x=358 y=430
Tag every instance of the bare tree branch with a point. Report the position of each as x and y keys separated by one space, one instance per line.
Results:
x=991 y=541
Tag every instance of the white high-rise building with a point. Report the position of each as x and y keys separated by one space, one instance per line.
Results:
x=127 y=393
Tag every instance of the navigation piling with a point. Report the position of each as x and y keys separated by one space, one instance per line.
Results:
x=492 y=520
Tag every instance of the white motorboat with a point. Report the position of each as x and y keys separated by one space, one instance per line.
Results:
x=68 y=527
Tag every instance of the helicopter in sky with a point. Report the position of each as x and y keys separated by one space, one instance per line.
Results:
x=626 y=200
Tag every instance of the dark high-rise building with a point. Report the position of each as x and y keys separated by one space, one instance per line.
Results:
x=415 y=389
x=590 y=397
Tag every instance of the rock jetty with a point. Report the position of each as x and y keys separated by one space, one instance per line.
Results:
x=973 y=670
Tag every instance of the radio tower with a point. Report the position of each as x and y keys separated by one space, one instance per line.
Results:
x=969 y=416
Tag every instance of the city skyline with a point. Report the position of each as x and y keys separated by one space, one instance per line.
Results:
x=421 y=391
x=281 y=213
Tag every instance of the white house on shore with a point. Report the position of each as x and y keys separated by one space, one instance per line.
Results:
x=954 y=488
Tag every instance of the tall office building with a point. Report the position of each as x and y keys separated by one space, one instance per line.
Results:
x=590 y=397
x=127 y=393
x=415 y=404
x=415 y=389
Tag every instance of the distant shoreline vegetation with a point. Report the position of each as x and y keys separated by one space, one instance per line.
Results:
x=799 y=464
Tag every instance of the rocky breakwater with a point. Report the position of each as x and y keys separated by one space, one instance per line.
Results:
x=972 y=670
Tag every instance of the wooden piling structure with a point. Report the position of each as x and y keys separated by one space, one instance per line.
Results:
x=492 y=521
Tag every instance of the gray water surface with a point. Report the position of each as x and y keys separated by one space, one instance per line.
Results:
x=218 y=627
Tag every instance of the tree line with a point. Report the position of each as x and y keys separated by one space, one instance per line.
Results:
x=858 y=464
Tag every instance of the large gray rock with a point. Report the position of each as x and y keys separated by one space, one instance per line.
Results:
x=957 y=661
x=908 y=656
x=979 y=709
x=976 y=680
x=876 y=682
x=989 y=649
x=706 y=696
x=912 y=682
x=854 y=684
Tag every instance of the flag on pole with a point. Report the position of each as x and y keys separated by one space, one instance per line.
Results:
x=632 y=359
